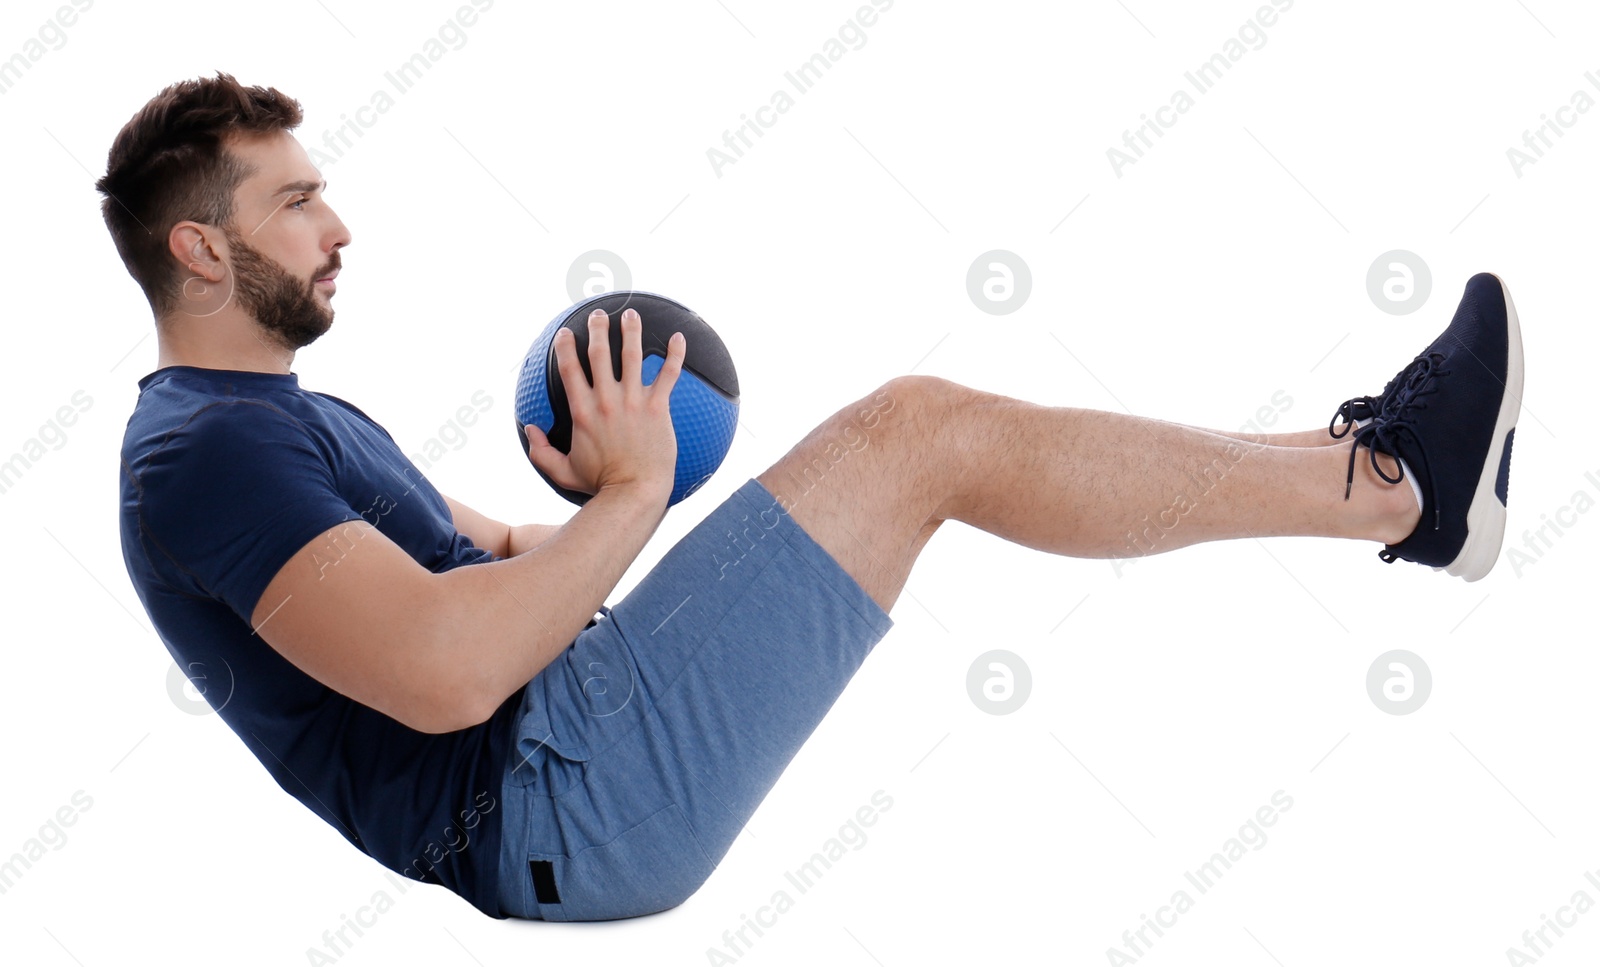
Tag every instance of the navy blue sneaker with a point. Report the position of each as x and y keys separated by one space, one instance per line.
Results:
x=1450 y=414
x=1358 y=411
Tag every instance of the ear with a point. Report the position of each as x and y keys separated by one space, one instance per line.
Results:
x=191 y=243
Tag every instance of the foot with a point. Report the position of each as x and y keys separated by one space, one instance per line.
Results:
x=1358 y=411
x=1450 y=415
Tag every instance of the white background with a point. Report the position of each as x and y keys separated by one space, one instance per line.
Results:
x=1228 y=264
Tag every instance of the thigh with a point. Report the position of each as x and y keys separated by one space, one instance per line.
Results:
x=868 y=483
x=694 y=692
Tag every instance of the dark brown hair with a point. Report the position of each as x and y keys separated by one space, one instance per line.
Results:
x=168 y=164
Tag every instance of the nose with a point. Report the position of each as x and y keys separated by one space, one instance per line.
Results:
x=341 y=234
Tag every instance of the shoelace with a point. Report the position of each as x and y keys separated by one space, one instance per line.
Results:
x=1351 y=411
x=1359 y=408
x=1394 y=417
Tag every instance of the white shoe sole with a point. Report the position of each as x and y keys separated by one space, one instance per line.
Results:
x=1486 y=517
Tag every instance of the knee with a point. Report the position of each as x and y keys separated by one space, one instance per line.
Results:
x=914 y=400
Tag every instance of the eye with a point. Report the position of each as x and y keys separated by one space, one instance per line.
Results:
x=296 y=205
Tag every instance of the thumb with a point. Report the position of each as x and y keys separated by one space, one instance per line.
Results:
x=555 y=464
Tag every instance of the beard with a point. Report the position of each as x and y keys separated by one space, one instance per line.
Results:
x=285 y=307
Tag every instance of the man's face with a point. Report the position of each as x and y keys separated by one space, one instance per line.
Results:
x=284 y=244
x=291 y=310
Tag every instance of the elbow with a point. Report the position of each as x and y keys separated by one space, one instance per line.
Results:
x=448 y=693
x=447 y=710
x=437 y=714
x=445 y=722
x=463 y=714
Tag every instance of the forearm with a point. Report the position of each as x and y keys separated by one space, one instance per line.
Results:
x=485 y=532
x=526 y=537
x=497 y=538
x=504 y=621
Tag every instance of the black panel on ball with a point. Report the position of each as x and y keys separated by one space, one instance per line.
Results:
x=660 y=317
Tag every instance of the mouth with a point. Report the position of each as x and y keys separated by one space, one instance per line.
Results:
x=328 y=281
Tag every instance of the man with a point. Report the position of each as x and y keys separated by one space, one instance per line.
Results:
x=436 y=685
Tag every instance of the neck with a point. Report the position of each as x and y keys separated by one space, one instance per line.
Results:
x=240 y=347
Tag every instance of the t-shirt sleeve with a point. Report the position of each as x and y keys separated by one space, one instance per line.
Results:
x=232 y=494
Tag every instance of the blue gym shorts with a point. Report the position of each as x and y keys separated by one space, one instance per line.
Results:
x=640 y=753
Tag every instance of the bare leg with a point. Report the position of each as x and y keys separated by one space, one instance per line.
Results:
x=872 y=483
x=1297 y=438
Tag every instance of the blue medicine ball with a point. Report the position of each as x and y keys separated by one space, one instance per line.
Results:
x=704 y=402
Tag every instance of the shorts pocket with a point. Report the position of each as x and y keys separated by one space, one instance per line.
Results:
x=575 y=709
x=652 y=866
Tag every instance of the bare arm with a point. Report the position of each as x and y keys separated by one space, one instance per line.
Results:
x=539 y=601
x=440 y=652
x=526 y=537
x=498 y=539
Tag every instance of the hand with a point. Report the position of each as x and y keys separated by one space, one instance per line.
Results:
x=621 y=430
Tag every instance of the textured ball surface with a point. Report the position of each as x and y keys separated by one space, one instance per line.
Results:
x=704 y=402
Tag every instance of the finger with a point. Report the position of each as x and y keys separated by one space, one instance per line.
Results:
x=631 y=352
x=600 y=350
x=571 y=370
x=554 y=464
x=677 y=348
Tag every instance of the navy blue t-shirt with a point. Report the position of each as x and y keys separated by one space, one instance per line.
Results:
x=225 y=475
